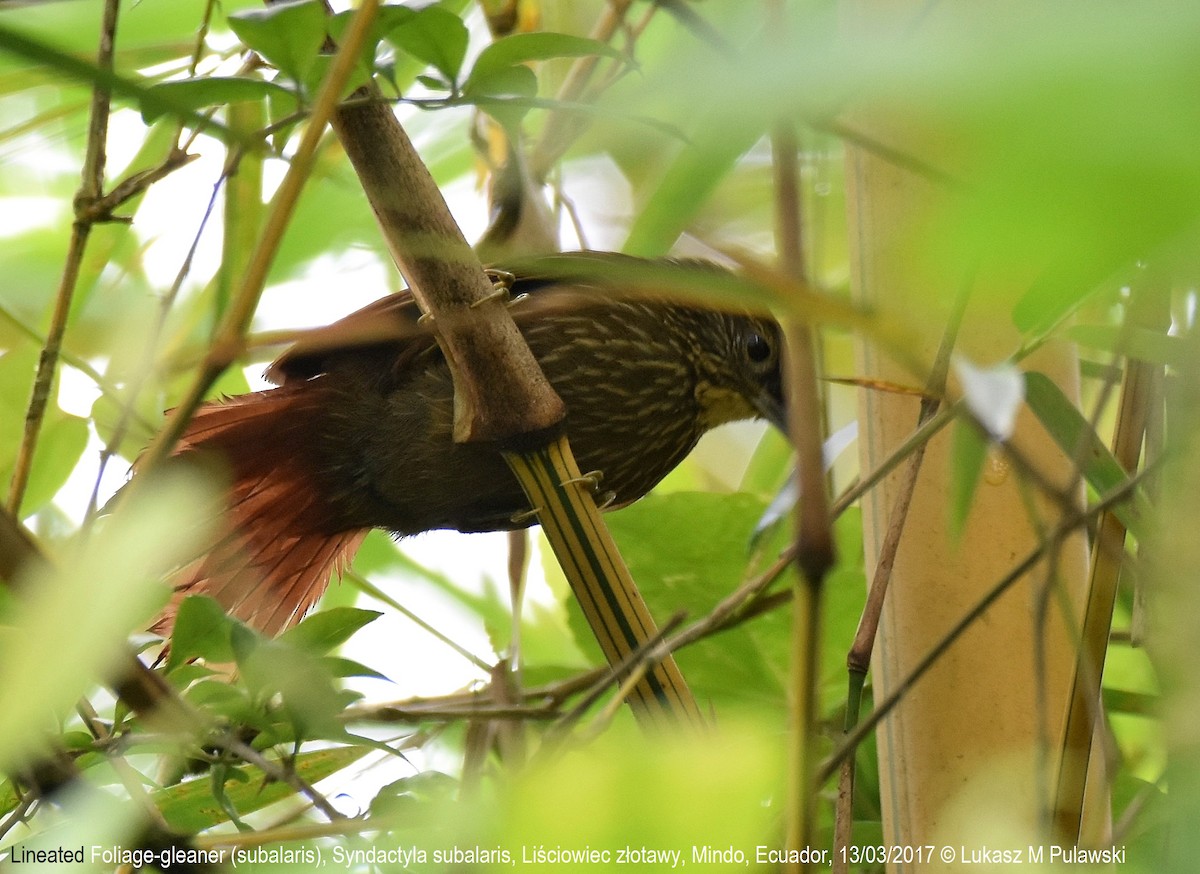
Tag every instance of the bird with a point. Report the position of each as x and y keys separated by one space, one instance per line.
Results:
x=357 y=432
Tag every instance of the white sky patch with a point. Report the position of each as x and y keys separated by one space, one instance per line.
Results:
x=22 y=214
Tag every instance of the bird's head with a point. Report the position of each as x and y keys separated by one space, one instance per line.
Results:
x=739 y=372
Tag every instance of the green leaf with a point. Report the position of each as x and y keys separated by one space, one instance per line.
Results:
x=651 y=791
x=1141 y=344
x=202 y=630
x=99 y=589
x=231 y=703
x=60 y=446
x=341 y=668
x=190 y=807
x=305 y=685
x=1076 y=437
x=408 y=794
x=506 y=95
x=433 y=35
x=325 y=631
x=968 y=454
x=512 y=82
x=71 y=67
x=688 y=551
x=703 y=560
x=289 y=35
x=8 y=796
x=200 y=93
x=687 y=184
x=520 y=48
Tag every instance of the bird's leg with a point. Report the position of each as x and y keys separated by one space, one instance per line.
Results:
x=592 y=480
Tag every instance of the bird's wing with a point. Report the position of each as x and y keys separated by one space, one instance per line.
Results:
x=394 y=319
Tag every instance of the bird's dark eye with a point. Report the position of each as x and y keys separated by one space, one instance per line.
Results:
x=758 y=349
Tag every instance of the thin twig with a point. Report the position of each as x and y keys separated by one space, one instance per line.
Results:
x=142 y=373
x=277 y=772
x=90 y=190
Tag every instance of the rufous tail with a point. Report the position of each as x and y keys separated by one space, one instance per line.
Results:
x=278 y=547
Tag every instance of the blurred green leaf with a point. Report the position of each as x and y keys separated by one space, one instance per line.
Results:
x=71 y=67
x=8 y=796
x=190 y=807
x=632 y=790
x=305 y=685
x=99 y=590
x=697 y=170
x=967 y=457
x=1076 y=437
x=1137 y=343
x=404 y=796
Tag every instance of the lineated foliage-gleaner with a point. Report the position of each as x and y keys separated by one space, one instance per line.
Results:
x=358 y=433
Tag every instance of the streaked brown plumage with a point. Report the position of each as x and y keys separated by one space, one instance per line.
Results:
x=358 y=433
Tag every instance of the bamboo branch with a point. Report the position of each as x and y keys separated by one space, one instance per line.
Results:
x=501 y=395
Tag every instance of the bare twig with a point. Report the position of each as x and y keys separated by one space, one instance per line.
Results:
x=89 y=191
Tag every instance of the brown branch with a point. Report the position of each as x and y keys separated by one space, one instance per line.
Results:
x=449 y=283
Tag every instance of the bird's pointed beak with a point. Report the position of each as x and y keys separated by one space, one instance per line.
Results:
x=771 y=408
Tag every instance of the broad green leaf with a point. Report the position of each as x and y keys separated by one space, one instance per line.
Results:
x=305 y=685
x=218 y=91
x=289 y=35
x=202 y=630
x=433 y=35
x=505 y=94
x=231 y=703
x=517 y=81
x=342 y=668
x=190 y=807
x=520 y=48
x=703 y=560
x=325 y=631
x=60 y=446
x=407 y=795
x=8 y=796
x=17 y=370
